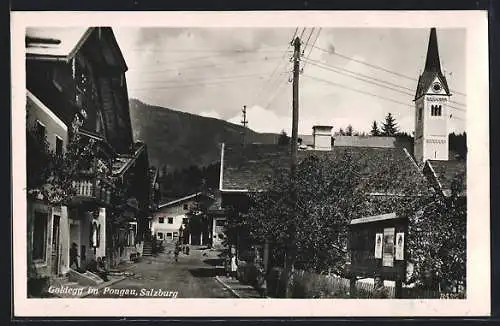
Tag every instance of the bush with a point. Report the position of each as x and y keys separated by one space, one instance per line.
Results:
x=250 y=273
x=276 y=283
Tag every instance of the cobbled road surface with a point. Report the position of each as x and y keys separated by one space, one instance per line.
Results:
x=193 y=276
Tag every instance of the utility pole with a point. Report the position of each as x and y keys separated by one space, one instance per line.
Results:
x=290 y=252
x=295 y=106
x=244 y=122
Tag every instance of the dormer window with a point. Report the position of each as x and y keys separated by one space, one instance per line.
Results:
x=436 y=110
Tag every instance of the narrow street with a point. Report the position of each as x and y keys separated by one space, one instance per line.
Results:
x=193 y=276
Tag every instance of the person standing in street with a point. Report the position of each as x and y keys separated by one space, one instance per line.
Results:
x=234 y=267
x=176 y=252
x=73 y=255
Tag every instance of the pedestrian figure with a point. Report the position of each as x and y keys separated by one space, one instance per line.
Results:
x=379 y=291
x=176 y=252
x=73 y=255
x=234 y=267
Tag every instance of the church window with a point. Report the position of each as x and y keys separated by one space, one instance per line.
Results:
x=419 y=113
x=436 y=110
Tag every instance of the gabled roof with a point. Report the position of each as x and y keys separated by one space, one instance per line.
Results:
x=122 y=162
x=62 y=43
x=432 y=68
x=55 y=42
x=180 y=200
x=445 y=173
x=384 y=169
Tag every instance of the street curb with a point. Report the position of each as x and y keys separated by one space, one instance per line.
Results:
x=227 y=287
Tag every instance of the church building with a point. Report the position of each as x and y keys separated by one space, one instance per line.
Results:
x=431 y=144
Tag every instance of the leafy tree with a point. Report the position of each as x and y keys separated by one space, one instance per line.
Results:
x=283 y=138
x=327 y=197
x=51 y=175
x=389 y=127
x=438 y=241
x=375 y=130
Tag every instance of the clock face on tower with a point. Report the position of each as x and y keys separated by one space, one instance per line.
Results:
x=436 y=87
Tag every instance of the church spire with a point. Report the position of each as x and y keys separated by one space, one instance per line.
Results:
x=432 y=62
x=432 y=69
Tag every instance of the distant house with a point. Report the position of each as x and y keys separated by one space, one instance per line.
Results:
x=218 y=216
x=182 y=220
x=75 y=84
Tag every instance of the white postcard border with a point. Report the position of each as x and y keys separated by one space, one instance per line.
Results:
x=478 y=240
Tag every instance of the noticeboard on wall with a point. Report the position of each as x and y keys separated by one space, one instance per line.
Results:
x=388 y=247
x=376 y=246
x=400 y=243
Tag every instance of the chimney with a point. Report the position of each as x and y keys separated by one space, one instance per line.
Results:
x=322 y=138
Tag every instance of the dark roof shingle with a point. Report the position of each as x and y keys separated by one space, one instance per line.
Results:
x=384 y=170
x=447 y=171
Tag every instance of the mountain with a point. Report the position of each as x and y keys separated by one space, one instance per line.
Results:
x=179 y=139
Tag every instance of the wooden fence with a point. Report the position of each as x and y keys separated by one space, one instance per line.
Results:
x=310 y=285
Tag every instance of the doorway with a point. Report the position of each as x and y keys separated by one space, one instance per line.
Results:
x=55 y=244
x=74 y=236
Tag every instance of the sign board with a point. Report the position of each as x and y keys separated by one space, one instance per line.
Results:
x=400 y=245
x=378 y=245
x=388 y=247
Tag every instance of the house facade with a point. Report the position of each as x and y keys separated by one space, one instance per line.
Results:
x=76 y=90
x=183 y=220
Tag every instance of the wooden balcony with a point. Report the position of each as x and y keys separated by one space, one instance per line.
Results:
x=92 y=191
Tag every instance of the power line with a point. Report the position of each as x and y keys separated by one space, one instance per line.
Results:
x=169 y=62
x=363 y=92
x=231 y=51
x=374 y=66
x=259 y=93
x=213 y=82
x=302 y=34
x=190 y=80
x=310 y=49
x=212 y=65
x=308 y=38
x=383 y=82
x=279 y=90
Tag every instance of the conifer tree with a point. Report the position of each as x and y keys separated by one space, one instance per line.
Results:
x=375 y=130
x=389 y=127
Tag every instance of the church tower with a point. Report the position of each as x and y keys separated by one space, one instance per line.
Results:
x=431 y=108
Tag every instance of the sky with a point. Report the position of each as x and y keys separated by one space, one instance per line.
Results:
x=349 y=76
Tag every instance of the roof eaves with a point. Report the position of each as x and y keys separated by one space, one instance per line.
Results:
x=436 y=177
x=63 y=57
x=377 y=218
x=179 y=200
x=79 y=44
